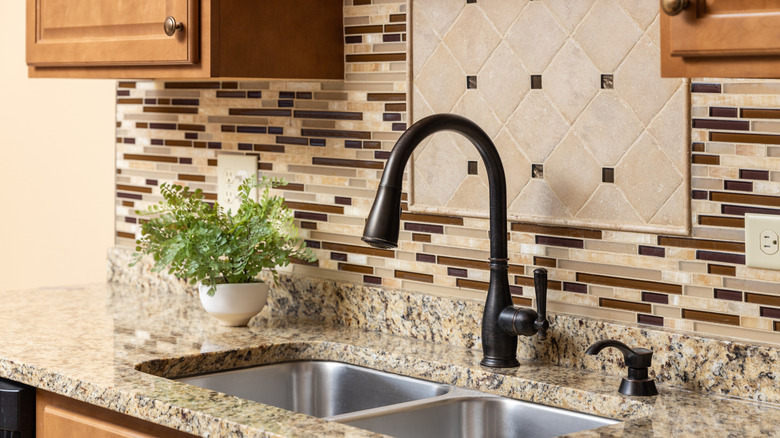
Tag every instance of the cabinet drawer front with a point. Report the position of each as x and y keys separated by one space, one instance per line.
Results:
x=109 y=32
x=726 y=28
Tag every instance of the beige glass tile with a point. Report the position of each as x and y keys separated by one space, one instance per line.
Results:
x=612 y=269
x=523 y=36
x=598 y=39
x=738 y=332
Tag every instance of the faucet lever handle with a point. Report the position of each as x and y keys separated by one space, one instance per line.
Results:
x=540 y=285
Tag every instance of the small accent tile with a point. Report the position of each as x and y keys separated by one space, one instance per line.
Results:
x=607 y=82
x=607 y=175
x=536 y=82
x=471 y=82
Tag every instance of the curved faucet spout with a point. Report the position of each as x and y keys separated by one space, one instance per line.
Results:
x=382 y=226
x=499 y=340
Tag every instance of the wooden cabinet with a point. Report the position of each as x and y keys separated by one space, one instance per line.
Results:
x=722 y=38
x=62 y=417
x=217 y=38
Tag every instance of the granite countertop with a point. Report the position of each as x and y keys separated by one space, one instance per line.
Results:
x=103 y=345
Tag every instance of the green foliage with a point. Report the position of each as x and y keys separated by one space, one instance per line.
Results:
x=206 y=244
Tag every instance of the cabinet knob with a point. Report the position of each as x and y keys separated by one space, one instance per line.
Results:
x=673 y=7
x=171 y=26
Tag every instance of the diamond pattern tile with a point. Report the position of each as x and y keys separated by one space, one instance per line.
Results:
x=570 y=126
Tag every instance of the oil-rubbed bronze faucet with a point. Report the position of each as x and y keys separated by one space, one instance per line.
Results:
x=502 y=323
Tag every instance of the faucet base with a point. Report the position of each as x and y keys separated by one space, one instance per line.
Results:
x=499 y=362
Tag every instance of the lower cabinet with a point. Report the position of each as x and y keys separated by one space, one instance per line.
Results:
x=62 y=417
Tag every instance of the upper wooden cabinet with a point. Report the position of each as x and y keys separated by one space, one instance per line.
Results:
x=722 y=38
x=216 y=38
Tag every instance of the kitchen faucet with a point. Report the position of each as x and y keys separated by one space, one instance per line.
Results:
x=502 y=323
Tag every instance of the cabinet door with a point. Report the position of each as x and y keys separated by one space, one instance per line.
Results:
x=110 y=32
x=722 y=38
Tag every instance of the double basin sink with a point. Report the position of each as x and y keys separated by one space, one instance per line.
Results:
x=392 y=404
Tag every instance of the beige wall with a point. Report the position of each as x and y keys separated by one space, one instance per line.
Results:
x=57 y=141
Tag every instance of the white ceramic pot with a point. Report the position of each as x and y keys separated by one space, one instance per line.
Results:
x=233 y=305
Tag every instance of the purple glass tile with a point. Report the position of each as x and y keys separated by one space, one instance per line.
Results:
x=338 y=256
x=151 y=182
x=150 y=101
x=313 y=244
x=185 y=160
x=382 y=155
x=423 y=228
x=286 y=103
x=739 y=210
x=231 y=94
x=311 y=216
x=742 y=186
x=516 y=290
x=725 y=257
x=426 y=258
x=275 y=130
x=353 y=144
x=286 y=95
x=651 y=297
x=575 y=287
x=228 y=128
x=391 y=117
x=650 y=319
x=252 y=129
x=193 y=102
x=717 y=111
x=245 y=147
x=559 y=241
x=317 y=141
x=303 y=95
x=131 y=220
x=733 y=125
x=129 y=141
x=372 y=280
x=123 y=92
x=129 y=196
x=391 y=38
x=457 y=272
x=699 y=194
x=254 y=94
x=232 y=85
x=353 y=39
x=191 y=135
x=292 y=140
x=762 y=175
x=341 y=200
x=731 y=295
x=770 y=312
x=399 y=126
x=652 y=251
x=157 y=142
x=215 y=145
x=705 y=88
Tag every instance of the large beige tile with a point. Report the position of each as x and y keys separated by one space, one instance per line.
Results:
x=609 y=205
x=572 y=172
x=537 y=126
x=471 y=39
x=501 y=12
x=608 y=128
x=524 y=37
x=503 y=81
x=571 y=80
x=597 y=34
x=441 y=81
x=570 y=13
x=441 y=14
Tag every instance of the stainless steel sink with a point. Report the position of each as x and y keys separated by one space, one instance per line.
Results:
x=318 y=388
x=391 y=404
x=479 y=417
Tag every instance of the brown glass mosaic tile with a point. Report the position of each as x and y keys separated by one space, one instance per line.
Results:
x=385 y=57
x=366 y=250
x=652 y=297
x=315 y=207
x=760 y=113
x=129 y=188
x=651 y=251
x=741 y=210
x=698 y=147
x=720 y=318
x=529 y=281
x=195 y=178
x=545 y=261
x=425 y=258
x=155 y=158
x=742 y=186
x=133 y=101
x=740 y=198
x=705 y=88
x=686 y=242
x=432 y=218
x=769 y=312
x=333 y=133
x=705 y=159
x=777 y=326
x=424 y=228
x=415 y=276
x=332 y=115
x=206 y=85
x=733 y=125
x=397 y=18
x=260 y=112
x=629 y=283
x=457 y=272
x=769 y=300
x=417 y=237
x=558 y=241
x=170 y=110
x=556 y=231
x=729 y=271
x=362 y=269
x=463 y=263
x=339 y=162
x=575 y=287
x=625 y=305
x=353 y=30
x=716 y=111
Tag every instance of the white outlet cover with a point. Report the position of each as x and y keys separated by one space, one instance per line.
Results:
x=232 y=170
x=761 y=231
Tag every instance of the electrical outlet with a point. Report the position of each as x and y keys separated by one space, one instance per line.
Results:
x=232 y=170
x=762 y=241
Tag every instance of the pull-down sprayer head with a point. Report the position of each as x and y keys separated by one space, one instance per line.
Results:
x=382 y=225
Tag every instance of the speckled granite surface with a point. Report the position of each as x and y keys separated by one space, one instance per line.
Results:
x=703 y=364
x=93 y=344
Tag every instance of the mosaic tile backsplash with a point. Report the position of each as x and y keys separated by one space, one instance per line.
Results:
x=577 y=109
x=330 y=138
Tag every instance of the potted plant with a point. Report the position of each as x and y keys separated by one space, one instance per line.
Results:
x=220 y=250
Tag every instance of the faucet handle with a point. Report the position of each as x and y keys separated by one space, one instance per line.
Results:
x=638 y=360
x=540 y=285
